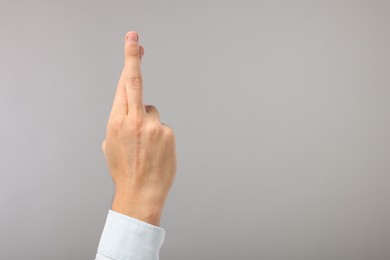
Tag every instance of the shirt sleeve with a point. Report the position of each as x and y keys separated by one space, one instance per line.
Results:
x=127 y=238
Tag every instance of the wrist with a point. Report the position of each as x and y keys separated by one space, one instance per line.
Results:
x=138 y=208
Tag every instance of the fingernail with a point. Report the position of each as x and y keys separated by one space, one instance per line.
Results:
x=132 y=37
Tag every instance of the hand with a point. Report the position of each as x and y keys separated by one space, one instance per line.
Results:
x=139 y=150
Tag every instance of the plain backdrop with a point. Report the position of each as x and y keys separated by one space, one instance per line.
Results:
x=280 y=108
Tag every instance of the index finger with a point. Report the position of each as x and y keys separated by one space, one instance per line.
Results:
x=133 y=75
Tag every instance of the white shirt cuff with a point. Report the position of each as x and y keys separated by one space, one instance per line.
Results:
x=127 y=238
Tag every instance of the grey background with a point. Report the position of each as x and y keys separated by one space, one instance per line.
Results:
x=280 y=110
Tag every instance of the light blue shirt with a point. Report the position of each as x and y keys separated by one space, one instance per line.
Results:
x=127 y=238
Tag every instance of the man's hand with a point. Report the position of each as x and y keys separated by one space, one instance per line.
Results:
x=140 y=151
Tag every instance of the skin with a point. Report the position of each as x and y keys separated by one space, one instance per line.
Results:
x=140 y=151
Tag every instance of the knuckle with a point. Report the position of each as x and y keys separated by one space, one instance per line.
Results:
x=150 y=109
x=153 y=128
x=168 y=133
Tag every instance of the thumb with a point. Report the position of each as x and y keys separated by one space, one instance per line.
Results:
x=104 y=147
